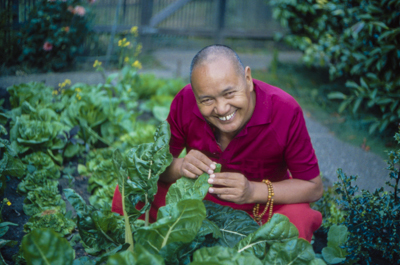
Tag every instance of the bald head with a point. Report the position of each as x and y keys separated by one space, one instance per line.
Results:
x=215 y=52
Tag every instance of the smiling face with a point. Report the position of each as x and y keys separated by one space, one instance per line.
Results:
x=225 y=98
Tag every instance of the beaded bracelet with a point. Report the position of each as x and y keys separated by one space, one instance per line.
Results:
x=270 y=203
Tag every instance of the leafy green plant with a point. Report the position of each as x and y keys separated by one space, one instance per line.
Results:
x=100 y=229
x=50 y=219
x=44 y=246
x=355 y=39
x=43 y=198
x=138 y=175
x=10 y=164
x=72 y=143
x=54 y=33
x=335 y=253
x=372 y=217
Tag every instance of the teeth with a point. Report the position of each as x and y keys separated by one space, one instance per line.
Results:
x=226 y=117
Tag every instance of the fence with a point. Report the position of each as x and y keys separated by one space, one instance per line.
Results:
x=217 y=19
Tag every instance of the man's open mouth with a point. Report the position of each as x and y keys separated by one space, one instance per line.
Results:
x=228 y=117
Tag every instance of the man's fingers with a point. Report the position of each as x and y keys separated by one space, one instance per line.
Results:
x=193 y=169
x=189 y=174
x=221 y=181
x=221 y=191
x=204 y=163
x=195 y=163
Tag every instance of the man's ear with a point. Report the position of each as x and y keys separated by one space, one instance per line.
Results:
x=249 y=78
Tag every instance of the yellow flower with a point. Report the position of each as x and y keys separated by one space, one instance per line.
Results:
x=78 y=97
x=127 y=44
x=134 y=31
x=55 y=92
x=9 y=203
x=96 y=63
x=137 y=64
x=67 y=81
x=78 y=89
x=126 y=59
x=129 y=90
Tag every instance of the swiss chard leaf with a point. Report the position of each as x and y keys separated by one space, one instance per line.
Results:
x=223 y=255
x=100 y=230
x=234 y=225
x=186 y=188
x=180 y=225
x=278 y=229
x=296 y=251
x=44 y=246
x=139 y=256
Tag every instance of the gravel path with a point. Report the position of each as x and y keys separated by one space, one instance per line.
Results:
x=332 y=153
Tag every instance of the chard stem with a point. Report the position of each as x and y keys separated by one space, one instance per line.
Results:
x=147 y=215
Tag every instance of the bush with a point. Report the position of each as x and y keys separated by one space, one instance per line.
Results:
x=54 y=33
x=372 y=219
x=356 y=39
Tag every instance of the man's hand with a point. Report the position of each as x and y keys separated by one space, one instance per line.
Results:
x=235 y=187
x=196 y=163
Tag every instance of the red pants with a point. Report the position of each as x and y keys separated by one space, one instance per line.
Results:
x=306 y=220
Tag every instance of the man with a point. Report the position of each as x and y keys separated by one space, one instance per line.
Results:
x=255 y=131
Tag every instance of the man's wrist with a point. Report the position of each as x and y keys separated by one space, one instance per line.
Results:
x=259 y=192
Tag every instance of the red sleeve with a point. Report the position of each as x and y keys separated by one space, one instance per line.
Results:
x=176 y=123
x=299 y=152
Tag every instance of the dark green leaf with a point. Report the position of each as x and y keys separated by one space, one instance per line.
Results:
x=44 y=246
x=233 y=224
x=180 y=225
x=296 y=251
x=278 y=229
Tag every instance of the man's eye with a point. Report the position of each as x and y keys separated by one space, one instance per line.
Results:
x=229 y=94
x=206 y=101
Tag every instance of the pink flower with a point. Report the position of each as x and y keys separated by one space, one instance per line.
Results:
x=47 y=46
x=92 y=1
x=79 y=10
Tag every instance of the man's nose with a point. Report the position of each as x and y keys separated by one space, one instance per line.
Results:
x=221 y=108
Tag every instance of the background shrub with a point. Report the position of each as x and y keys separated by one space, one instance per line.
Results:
x=359 y=40
x=54 y=33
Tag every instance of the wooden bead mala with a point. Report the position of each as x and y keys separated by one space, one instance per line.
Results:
x=270 y=203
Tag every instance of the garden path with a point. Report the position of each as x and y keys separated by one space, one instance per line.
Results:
x=331 y=152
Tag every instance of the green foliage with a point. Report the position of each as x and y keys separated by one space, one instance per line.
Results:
x=54 y=33
x=356 y=39
x=43 y=198
x=50 y=219
x=179 y=223
x=10 y=164
x=327 y=205
x=139 y=256
x=44 y=246
x=186 y=188
x=337 y=237
x=100 y=229
x=222 y=255
x=372 y=218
